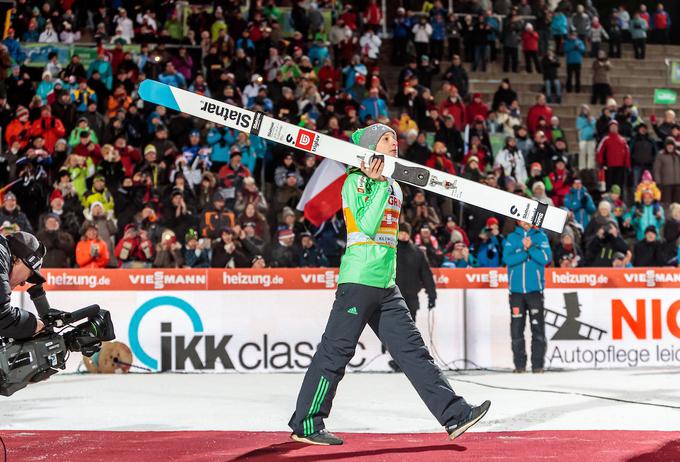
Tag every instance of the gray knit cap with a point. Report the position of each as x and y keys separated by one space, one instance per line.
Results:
x=368 y=137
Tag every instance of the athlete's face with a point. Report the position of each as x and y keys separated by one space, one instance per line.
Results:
x=388 y=145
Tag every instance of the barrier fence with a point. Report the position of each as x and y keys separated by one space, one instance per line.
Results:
x=246 y=320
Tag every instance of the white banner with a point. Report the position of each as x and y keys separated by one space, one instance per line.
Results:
x=588 y=328
x=246 y=331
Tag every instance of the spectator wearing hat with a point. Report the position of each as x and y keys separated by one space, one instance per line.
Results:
x=613 y=155
x=579 y=201
x=216 y=217
x=87 y=148
x=287 y=166
x=458 y=257
x=196 y=252
x=488 y=250
x=283 y=253
x=91 y=251
x=310 y=255
x=59 y=244
x=602 y=246
x=82 y=126
x=472 y=170
x=530 y=48
x=569 y=248
x=511 y=160
x=70 y=213
x=19 y=129
x=106 y=226
x=11 y=213
x=648 y=252
x=231 y=177
x=646 y=213
x=227 y=251
x=666 y=170
x=99 y=193
x=619 y=207
x=168 y=251
x=134 y=250
x=604 y=217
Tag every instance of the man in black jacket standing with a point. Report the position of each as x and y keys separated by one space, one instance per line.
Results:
x=21 y=256
x=413 y=272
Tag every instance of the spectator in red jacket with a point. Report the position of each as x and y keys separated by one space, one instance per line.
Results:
x=49 y=127
x=88 y=148
x=134 y=250
x=561 y=180
x=440 y=159
x=129 y=156
x=454 y=105
x=540 y=109
x=19 y=129
x=530 y=48
x=613 y=155
x=476 y=108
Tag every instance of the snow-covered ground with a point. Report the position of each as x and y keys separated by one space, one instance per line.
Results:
x=365 y=402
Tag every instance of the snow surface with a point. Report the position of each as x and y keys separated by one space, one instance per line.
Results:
x=365 y=402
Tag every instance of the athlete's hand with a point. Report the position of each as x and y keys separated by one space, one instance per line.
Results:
x=431 y=303
x=375 y=170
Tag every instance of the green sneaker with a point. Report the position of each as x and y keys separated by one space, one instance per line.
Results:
x=321 y=438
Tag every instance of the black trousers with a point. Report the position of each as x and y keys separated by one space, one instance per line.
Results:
x=639 y=48
x=413 y=304
x=385 y=311
x=601 y=91
x=574 y=70
x=529 y=58
x=616 y=175
x=520 y=304
x=510 y=58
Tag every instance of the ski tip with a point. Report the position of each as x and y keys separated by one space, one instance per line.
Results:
x=158 y=93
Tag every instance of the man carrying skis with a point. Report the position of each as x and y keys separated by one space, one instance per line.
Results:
x=367 y=294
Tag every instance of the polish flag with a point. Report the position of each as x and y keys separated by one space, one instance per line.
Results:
x=322 y=197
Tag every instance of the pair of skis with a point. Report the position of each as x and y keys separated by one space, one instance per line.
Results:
x=257 y=123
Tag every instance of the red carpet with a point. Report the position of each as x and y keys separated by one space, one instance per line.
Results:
x=581 y=446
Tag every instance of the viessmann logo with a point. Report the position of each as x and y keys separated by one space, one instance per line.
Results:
x=160 y=279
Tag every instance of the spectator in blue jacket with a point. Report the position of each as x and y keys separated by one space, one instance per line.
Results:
x=579 y=201
x=373 y=106
x=172 y=77
x=586 y=127
x=526 y=252
x=574 y=49
x=489 y=250
x=220 y=140
x=401 y=32
x=559 y=27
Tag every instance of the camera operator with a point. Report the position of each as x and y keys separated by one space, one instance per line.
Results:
x=21 y=256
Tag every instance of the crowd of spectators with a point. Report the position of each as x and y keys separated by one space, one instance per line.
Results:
x=105 y=179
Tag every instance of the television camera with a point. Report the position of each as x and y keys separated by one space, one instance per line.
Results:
x=36 y=359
